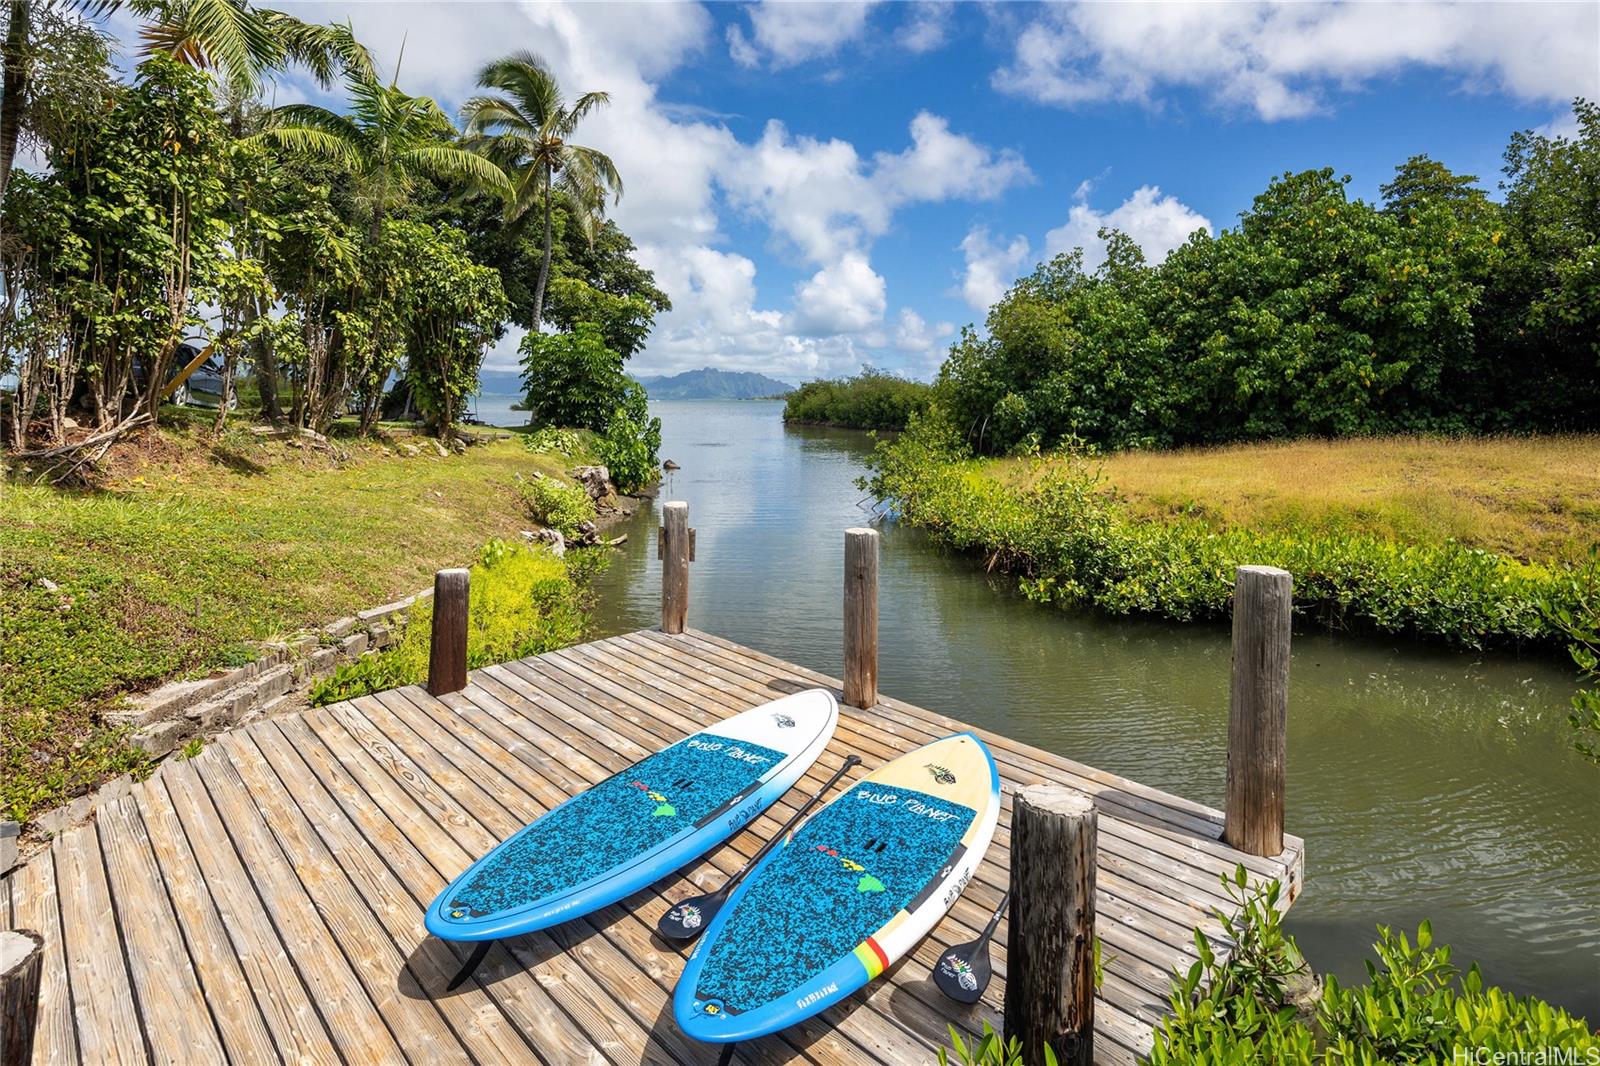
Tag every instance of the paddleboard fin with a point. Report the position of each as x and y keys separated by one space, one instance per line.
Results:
x=472 y=962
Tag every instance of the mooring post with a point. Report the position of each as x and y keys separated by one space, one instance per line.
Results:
x=21 y=959
x=675 y=554
x=861 y=617
x=1049 y=999
x=1258 y=709
x=447 y=655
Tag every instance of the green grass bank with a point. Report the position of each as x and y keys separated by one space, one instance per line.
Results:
x=191 y=548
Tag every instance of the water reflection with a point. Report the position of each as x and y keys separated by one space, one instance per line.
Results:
x=1426 y=783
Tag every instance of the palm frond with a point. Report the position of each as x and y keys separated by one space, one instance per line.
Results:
x=313 y=141
x=225 y=34
x=493 y=115
x=446 y=160
x=530 y=182
x=526 y=78
x=597 y=171
x=586 y=103
x=311 y=116
x=326 y=51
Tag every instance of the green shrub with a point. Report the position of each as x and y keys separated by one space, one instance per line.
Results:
x=550 y=440
x=990 y=1050
x=872 y=399
x=523 y=601
x=1576 y=614
x=1072 y=543
x=631 y=444
x=1415 y=1007
x=1412 y=1009
x=557 y=504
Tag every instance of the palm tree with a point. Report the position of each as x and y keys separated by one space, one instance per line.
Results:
x=385 y=142
x=527 y=127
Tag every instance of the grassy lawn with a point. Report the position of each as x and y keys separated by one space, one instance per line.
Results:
x=1534 y=498
x=191 y=549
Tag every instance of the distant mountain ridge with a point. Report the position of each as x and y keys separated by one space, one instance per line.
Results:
x=709 y=383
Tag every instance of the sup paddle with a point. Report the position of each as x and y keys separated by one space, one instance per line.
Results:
x=963 y=971
x=689 y=918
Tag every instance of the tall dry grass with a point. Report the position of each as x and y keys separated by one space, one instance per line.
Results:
x=1535 y=498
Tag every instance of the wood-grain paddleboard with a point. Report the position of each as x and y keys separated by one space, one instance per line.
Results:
x=638 y=825
x=851 y=891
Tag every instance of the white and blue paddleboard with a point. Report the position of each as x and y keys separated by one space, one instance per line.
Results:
x=849 y=892
x=638 y=825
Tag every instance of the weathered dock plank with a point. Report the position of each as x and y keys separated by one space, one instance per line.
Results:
x=263 y=901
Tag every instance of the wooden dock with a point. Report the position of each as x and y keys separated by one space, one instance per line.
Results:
x=263 y=901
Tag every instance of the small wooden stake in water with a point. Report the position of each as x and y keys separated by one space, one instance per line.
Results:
x=689 y=918
x=964 y=971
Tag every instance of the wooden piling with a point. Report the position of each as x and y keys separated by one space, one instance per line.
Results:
x=447 y=655
x=21 y=962
x=675 y=540
x=1049 y=997
x=861 y=617
x=1258 y=709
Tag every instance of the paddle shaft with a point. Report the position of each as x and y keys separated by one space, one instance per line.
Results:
x=994 y=919
x=850 y=763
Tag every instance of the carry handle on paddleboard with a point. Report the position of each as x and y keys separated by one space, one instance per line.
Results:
x=689 y=918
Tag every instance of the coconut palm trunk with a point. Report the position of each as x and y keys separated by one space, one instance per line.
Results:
x=13 y=86
x=544 y=261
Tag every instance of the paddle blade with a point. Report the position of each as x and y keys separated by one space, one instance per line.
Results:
x=963 y=971
x=689 y=919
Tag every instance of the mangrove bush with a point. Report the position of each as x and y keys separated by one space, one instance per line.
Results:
x=873 y=399
x=1071 y=542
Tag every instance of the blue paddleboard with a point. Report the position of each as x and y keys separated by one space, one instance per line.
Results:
x=638 y=825
x=849 y=892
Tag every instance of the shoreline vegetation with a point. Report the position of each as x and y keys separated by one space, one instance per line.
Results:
x=194 y=548
x=1062 y=526
x=872 y=399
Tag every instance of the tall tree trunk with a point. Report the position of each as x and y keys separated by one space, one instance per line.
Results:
x=14 y=86
x=266 y=364
x=544 y=263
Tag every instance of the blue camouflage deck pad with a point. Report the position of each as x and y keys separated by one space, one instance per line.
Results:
x=617 y=821
x=846 y=872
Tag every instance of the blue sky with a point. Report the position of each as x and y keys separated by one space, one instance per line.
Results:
x=822 y=185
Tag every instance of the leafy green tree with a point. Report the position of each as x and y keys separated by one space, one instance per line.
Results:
x=387 y=143
x=1420 y=182
x=1545 y=301
x=125 y=235
x=527 y=126
x=243 y=43
x=572 y=379
x=452 y=309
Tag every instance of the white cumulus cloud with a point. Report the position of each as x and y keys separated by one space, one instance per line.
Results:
x=1157 y=224
x=788 y=33
x=990 y=267
x=1282 y=60
x=846 y=297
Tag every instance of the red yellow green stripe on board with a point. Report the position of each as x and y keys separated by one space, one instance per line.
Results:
x=872 y=957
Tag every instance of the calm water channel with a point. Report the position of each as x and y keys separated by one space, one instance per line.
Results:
x=1425 y=783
